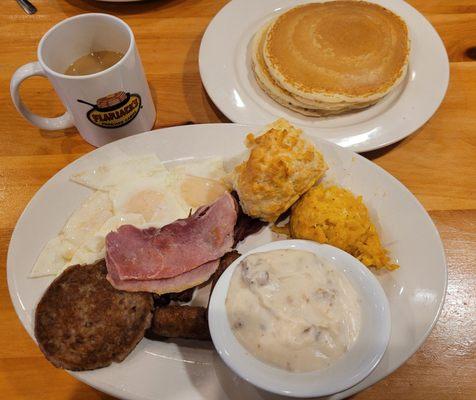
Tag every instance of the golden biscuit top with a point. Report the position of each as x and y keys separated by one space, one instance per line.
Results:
x=281 y=167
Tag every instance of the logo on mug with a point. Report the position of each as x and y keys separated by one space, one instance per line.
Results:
x=114 y=110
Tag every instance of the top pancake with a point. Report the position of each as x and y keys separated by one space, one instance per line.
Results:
x=337 y=51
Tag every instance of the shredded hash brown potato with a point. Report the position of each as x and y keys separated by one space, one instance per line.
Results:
x=333 y=215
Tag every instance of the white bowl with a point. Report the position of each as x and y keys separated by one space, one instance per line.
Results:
x=348 y=370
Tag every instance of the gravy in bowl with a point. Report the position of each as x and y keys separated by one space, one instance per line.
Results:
x=292 y=310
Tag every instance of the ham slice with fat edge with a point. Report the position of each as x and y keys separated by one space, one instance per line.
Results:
x=175 y=249
x=168 y=285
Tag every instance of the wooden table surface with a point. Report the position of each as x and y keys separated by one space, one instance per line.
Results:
x=437 y=163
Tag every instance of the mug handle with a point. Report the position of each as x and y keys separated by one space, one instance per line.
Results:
x=22 y=73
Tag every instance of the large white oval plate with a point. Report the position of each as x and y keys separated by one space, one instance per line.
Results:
x=226 y=74
x=192 y=370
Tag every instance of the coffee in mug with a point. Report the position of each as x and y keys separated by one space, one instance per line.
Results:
x=92 y=62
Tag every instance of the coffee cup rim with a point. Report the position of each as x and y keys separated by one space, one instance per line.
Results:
x=81 y=16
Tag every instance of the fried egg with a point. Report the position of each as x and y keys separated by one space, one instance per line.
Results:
x=196 y=191
x=138 y=191
x=200 y=182
x=155 y=198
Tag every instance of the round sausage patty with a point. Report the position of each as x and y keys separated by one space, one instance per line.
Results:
x=83 y=323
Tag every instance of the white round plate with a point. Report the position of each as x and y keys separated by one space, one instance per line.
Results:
x=225 y=68
x=192 y=370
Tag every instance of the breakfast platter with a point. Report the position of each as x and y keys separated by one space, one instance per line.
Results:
x=253 y=79
x=231 y=261
x=146 y=169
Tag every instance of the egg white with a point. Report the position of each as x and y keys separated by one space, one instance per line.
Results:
x=114 y=173
x=211 y=168
x=83 y=224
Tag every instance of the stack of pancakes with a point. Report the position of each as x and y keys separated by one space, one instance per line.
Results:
x=328 y=58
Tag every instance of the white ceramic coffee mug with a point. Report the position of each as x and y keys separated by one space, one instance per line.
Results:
x=104 y=106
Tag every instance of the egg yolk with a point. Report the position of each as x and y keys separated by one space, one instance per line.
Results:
x=197 y=191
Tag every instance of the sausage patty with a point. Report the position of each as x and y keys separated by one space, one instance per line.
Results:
x=83 y=323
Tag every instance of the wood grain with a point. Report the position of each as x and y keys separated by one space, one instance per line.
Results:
x=437 y=163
